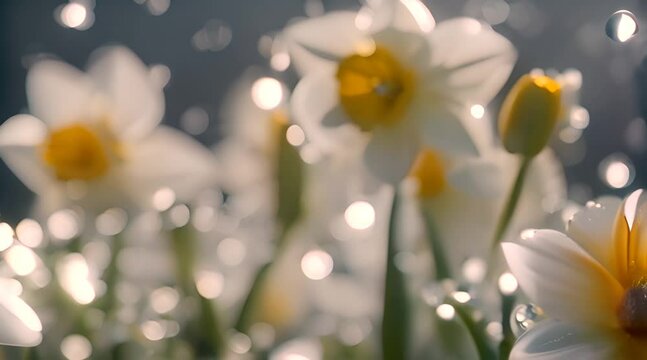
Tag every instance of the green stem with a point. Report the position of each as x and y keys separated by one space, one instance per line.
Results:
x=507 y=304
x=209 y=321
x=112 y=276
x=505 y=218
x=250 y=305
x=443 y=270
x=475 y=329
x=395 y=320
x=511 y=203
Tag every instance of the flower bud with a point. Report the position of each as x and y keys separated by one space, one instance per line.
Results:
x=529 y=114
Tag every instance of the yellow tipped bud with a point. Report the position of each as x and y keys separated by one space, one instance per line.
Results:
x=529 y=114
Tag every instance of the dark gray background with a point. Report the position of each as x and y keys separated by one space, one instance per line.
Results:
x=572 y=35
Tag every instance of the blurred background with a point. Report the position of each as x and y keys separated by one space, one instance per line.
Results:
x=202 y=46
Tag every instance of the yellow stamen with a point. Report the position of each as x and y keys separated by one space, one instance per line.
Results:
x=78 y=152
x=374 y=88
x=529 y=114
x=429 y=172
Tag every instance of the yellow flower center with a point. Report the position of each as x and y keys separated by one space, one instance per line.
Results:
x=79 y=152
x=429 y=172
x=374 y=88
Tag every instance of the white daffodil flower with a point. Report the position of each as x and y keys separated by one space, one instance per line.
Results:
x=94 y=138
x=388 y=77
x=590 y=281
x=21 y=325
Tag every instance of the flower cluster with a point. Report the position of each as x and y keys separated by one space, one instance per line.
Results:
x=373 y=208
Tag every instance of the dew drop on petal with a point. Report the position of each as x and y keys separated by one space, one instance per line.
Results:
x=617 y=171
x=524 y=317
x=622 y=26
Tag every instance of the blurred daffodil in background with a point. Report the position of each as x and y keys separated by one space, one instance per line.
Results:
x=94 y=138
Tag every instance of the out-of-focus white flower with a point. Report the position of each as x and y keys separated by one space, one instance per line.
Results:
x=254 y=113
x=591 y=282
x=94 y=137
x=20 y=324
x=389 y=78
x=465 y=195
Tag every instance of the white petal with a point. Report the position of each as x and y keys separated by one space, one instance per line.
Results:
x=405 y=15
x=443 y=130
x=560 y=277
x=58 y=93
x=315 y=106
x=27 y=165
x=556 y=340
x=169 y=158
x=392 y=150
x=22 y=130
x=471 y=60
x=477 y=177
x=20 y=137
x=411 y=49
x=20 y=324
x=593 y=229
x=314 y=43
x=138 y=101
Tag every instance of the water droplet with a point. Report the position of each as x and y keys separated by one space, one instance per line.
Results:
x=214 y=36
x=195 y=120
x=524 y=317
x=508 y=284
x=446 y=312
x=617 y=171
x=76 y=347
x=474 y=270
x=267 y=93
x=317 y=264
x=622 y=26
x=360 y=215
